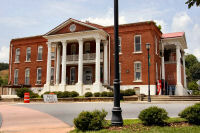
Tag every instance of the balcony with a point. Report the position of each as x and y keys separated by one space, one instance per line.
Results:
x=87 y=58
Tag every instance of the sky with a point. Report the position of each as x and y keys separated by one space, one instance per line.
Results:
x=22 y=18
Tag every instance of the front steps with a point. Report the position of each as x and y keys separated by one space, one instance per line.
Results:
x=172 y=98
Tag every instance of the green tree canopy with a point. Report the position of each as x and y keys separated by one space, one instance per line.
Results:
x=191 y=3
x=4 y=66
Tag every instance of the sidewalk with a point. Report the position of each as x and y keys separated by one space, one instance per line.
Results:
x=24 y=120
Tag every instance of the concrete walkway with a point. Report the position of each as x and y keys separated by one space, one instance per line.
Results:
x=18 y=119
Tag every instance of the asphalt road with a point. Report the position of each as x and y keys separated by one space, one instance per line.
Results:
x=68 y=111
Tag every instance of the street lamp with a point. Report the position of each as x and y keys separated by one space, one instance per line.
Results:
x=148 y=48
x=116 y=111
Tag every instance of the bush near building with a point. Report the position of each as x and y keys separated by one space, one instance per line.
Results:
x=94 y=120
x=20 y=93
x=97 y=94
x=88 y=94
x=192 y=114
x=153 y=116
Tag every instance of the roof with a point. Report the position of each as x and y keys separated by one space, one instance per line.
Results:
x=173 y=35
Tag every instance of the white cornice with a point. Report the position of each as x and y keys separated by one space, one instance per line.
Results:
x=77 y=35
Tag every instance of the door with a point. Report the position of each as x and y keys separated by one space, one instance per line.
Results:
x=87 y=75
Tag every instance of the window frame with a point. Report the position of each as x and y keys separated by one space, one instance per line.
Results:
x=17 y=55
x=135 y=43
x=120 y=45
x=156 y=45
x=16 y=76
x=73 y=49
x=28 y=48
x=87 y=45
x=53 y=52
x=37 y=78
x=72 y=81
x=38 y=54
x=120 y=72
x=52 y=75
x=25 y=80
x=135 y=70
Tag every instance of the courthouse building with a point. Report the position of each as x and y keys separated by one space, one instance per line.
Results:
x=79 y=56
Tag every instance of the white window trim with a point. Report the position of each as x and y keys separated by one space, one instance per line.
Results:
x=27 y=56
x=37 y=77
x=17 y=61
x=15 y=76
x=140 y=44
x=135 y=71
x=120 y=72
x=120 y=45
x=53 y=74
x=25 y=76
x=38 y=53
x=53 y=53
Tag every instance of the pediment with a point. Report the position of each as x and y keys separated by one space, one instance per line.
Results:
x=70 y=26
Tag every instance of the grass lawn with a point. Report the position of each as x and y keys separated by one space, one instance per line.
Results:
x=175 y=125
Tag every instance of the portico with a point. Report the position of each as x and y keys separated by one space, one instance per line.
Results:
x=173 y=58
x=86 y=57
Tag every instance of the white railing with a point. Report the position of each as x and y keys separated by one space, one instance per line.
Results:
x=86 y=57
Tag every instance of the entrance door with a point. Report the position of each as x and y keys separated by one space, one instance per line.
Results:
x=87 y=75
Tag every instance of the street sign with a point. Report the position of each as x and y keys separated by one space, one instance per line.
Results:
x=49 y=98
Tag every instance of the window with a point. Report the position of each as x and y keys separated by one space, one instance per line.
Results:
x=16 y=73
x=137 y=69
x=28 y=54
x=120 y=46
x=27 y=76
x=17 y=55
x=137 y=43
x=39 y=75
x=73 y=49
x=52 y=75
x=120 y=72
x=40 y=53
x=156 y=45
x=72 y=75
x=87 y=48
x=53 y=49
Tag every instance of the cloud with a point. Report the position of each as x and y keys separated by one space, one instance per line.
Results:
x=181 y=21
x=106 y=20
x=163 y=25
x=196 y=52
x=4 y=54
x=19 y=22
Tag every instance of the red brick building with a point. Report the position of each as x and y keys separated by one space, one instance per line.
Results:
x=79 y=56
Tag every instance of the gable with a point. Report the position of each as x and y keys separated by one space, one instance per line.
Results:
x=66 y=27
x=78 y=28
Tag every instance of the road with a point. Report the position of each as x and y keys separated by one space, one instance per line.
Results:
x=66 y=112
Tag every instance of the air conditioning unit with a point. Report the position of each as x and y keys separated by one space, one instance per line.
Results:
x=38 y=82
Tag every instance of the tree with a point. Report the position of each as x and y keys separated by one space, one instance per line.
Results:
x=191 y=3
x=4 y=66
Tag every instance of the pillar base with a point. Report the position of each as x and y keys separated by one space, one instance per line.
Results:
x=62 y=87
x=45 y=88
x=116 y=117
x=180 y=90
x=97 y=87
x=79 y=89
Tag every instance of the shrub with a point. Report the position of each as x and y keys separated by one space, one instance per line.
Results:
x=191 y=114
x=20 y=93
x=110 y=94
x=88 y=94
x=66 y=94
x=153 y=116
x=129 y=92
x=94 y=120
x=122 y=93
x=193 y=85
x=97 y=94
x=104 y=94
x=74 y=94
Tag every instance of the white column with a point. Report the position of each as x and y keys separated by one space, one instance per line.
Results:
x=163 y=63
x=64 y=52
x=185 y=84
x=105 y=61
x=97 y=66
x=58 y=65
x=178 y=65
x=48 y=78
x=80 y=62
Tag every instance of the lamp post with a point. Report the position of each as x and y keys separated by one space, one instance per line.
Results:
x=148 y=47
x=116 y=111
